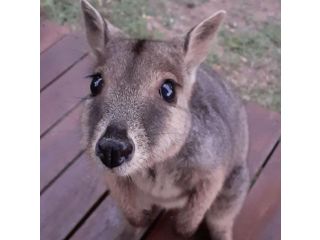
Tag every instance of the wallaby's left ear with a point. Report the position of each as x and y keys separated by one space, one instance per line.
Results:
x=96 y=28
x=198 y=39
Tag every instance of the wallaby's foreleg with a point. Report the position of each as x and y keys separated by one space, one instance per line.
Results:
x=189 y=217
x=138 y=213
x=222 y=213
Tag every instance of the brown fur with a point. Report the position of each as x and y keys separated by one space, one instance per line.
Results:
x=190 y=155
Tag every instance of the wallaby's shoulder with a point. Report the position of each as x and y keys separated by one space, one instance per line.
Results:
x=213 y=95
x=219 y=121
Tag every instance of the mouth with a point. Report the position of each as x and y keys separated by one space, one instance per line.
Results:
x=122 y=170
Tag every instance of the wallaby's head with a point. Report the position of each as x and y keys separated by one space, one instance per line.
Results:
x=138 y=112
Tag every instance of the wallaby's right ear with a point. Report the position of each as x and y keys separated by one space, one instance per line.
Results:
x=96 y=28
x=198 y=40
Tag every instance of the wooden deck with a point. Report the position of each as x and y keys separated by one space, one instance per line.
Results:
x=75 y=203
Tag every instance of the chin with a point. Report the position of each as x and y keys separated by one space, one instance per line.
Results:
x=125 y=170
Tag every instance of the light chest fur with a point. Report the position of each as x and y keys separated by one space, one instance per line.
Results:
x=160 y=186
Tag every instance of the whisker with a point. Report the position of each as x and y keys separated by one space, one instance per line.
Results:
x=83 y=98
x=129 y=178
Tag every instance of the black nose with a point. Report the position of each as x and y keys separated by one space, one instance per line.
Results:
x=114 y=152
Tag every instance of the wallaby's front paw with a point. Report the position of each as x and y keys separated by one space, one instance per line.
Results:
x=183 y=232
x=184 y=228
x=128 y=233
x=142 y=220
x=139 y=222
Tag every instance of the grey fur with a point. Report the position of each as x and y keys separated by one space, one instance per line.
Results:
x=190 y=155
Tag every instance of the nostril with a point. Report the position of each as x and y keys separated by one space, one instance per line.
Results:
x=127 y=149
x=102 y=143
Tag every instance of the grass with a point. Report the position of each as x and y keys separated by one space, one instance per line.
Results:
x=253 y=45
x=252 y=49
x=249 y=56
x=130 y=16
x=65 y=11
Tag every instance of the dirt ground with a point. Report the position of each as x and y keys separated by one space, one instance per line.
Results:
x=246 y=51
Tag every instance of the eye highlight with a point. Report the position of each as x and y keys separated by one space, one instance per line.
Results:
x=96 y=84
x=167 y=91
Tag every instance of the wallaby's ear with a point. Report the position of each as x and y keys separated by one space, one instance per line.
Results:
x=198 y=39
x=96 y=28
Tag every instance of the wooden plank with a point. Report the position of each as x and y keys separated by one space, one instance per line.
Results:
x=65 y=94
x=264 y=130
x=56 y=60
x=50 y=33
x=107 y=222
x=260 y=215
x=69 y=199
x=272 y=228
x=59 y=147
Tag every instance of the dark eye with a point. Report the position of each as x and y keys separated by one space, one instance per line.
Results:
x=96 y=84
x=167 y=91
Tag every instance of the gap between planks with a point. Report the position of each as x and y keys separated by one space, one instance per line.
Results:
x=88 y=214
x=50 y=33
x=258 y=173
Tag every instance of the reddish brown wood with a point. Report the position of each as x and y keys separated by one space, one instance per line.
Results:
x=64 y=94
x=272 y=228
x=264 y=129
x=69 y=198
x=59 y=147
x=60 y=57
x=260 y=215
x=50 y=33
x=107 y=222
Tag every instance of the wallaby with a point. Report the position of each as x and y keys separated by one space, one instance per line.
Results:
x=168 y=132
